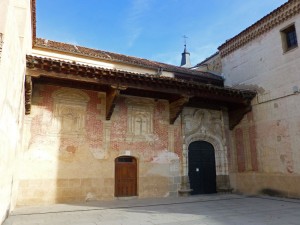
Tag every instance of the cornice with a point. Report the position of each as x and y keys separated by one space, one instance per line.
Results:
x=273 y=19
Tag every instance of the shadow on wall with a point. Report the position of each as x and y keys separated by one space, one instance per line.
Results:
x=67 y=159
x=60 y=162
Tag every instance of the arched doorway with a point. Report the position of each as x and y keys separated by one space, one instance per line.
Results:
x=125 y=176
x=202 y=167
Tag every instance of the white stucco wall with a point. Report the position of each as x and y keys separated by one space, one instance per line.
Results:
x=15 y=30
x=262 y=65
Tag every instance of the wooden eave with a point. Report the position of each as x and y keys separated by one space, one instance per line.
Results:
x=113 y=82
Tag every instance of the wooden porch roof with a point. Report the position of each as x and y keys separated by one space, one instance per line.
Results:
x=179 y=92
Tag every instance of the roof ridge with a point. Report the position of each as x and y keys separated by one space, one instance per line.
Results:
x=38 y=44
x=115 y=57
x=33 y=60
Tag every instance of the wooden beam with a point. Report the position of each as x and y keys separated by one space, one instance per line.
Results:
x=236 y=115
x=176 y=108
x=28 y=94
x=137 y=82
x=111 y=97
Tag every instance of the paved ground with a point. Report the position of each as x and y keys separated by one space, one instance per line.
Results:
x=215 y=209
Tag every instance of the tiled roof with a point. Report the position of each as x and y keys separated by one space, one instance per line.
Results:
x=115 y=57
x=268 y=22
x=179 y=92
x=98 y=73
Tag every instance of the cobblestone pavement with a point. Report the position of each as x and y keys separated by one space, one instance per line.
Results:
x=227 y=209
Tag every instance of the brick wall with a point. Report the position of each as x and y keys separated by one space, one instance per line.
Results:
x=71 y=148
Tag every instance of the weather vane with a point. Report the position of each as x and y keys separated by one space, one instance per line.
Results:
x=185 y=37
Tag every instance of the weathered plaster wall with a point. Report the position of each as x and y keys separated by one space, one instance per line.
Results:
x=15 y=41
x=266 y=154
x=212 y=64
x=71 y=148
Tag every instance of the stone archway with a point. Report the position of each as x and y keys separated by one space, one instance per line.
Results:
x=220 y=150
x=206 y=125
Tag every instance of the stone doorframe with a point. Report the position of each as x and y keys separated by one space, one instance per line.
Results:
x=205 y=125
x=220 y=151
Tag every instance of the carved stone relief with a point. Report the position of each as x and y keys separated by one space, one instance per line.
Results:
x=69 y=111
x=68 y=121
x=206 y=125
x=140 y=119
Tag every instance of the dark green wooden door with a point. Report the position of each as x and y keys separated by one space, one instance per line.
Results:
x=202 y=168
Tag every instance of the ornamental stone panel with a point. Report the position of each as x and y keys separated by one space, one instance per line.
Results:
x=207 y=125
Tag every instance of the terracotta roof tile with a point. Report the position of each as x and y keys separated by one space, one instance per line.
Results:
x=65 y=67
x=115 y=57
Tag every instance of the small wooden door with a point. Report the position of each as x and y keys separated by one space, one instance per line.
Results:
x=125 y=176
x=202 y=168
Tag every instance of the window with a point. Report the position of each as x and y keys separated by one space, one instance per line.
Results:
x=289 y=38
x=125 y=159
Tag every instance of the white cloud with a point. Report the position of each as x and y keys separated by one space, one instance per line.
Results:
x=134 y=33
x=132 y=23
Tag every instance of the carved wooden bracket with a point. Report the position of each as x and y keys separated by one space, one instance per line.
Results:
x=176 y=108
x=237 y=114
x=28 y=94
x=111 y=97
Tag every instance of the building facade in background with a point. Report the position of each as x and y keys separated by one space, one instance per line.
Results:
x=15 y=43
x=265 y=57
x=80 y=124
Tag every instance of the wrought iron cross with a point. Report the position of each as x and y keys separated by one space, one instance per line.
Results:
x=185 y=37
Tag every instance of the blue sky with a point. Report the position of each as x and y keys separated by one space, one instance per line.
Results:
x=151 y=29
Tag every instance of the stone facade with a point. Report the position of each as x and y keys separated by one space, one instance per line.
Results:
x=74 y=135
x=73 y=147
x=212 y=64
x=14 y=43
x=210 y=126
x=266 y=143
x=64 y=150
